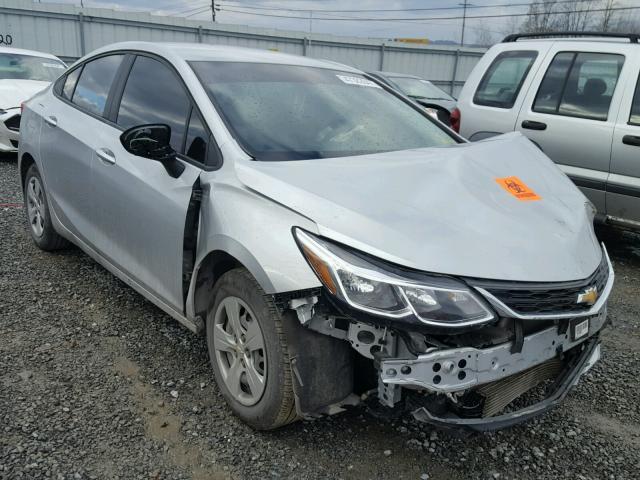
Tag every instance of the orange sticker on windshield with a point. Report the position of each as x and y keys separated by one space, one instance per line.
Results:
x=517 y=188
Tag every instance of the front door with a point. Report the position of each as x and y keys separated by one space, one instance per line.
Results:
x=141 y=208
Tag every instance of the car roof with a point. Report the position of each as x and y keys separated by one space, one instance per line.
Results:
x=222 y=53
x=31 y=53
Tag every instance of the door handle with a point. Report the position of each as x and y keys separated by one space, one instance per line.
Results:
x=51 y=121
x=106 y=156
x=631 y=140
x=532 y=125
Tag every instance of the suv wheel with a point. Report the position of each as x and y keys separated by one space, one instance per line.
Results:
x=38 y=216
x=248 y=352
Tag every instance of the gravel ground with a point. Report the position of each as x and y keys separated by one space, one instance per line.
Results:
x=95 y=382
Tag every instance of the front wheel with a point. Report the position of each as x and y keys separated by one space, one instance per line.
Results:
x=248 y=352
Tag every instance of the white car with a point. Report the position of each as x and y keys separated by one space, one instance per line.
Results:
x=23 y=73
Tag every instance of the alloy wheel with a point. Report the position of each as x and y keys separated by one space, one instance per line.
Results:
x=239 y=350
x=35 y=206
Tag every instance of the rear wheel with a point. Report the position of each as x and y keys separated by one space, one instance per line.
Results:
x=248 y=352
x=38 y=213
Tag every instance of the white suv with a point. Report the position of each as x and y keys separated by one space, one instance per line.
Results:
x=578 y=99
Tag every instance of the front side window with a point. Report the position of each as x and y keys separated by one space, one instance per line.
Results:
x=502 y=81
x=28 y=67
x=634 y=118
x=286 y=112
x=93 y=86
x=153 y=94
x=579 y=85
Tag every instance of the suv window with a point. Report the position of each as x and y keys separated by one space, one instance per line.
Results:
x=503 y=79
x=154 y=94
x=95 y=81
x=579 y=85
x=634 y=118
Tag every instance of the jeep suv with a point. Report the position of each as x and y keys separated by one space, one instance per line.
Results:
x=577 y=98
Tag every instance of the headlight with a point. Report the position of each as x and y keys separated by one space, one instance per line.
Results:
x=432 y=111
x=438 y=301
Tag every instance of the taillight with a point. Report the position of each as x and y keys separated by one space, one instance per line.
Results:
x=454 y=119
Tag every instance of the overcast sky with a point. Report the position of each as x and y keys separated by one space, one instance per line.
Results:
x=394 y=24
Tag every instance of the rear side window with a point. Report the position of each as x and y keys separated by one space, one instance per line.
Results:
x=579 y=85
x=634 y=118
x=70 y=83
x=503 y=79
x=93 y=86
x=154 y=94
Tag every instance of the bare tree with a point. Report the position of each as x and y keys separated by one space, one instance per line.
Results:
x=540 y=18
x=483 y=37
x=607 y=15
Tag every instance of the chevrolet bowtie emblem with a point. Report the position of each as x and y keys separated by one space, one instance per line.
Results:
x=589 y=296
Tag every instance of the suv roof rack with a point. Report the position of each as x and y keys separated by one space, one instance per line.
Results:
x=633 y=37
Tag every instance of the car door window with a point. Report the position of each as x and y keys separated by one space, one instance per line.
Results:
x=197 y=138
x=93 y=86
x=579 y=85
x=154 y=94
x=634 y=118
x=502 y=81
x=70 y=83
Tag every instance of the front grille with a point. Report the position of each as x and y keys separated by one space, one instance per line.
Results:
x=13 y=123
x=548 y=298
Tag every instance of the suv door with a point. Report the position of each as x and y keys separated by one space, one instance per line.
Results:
x=571 y=109
x=623 y=185
x=67 y=141
x=142 y=209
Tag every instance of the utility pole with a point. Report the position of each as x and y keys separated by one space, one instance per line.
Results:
x=464 y=19
x=213 y=10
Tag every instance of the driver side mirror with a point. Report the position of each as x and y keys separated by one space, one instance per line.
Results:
x=153 y=142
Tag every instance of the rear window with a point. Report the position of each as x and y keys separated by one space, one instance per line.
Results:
x=503 y=79
x=92 y=88
x=579 y=85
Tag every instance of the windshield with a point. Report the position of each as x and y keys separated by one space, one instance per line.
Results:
x=27 y=67
x=415 y=87
x=284 y=112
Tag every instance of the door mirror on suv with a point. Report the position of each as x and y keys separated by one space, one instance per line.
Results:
x=153 y=142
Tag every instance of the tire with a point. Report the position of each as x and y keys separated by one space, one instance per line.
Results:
x=263 y=406
x=36 y=207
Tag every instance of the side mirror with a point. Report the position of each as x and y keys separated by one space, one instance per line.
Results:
x=153 y=142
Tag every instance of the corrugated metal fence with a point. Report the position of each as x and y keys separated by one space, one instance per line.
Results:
x=70 y=32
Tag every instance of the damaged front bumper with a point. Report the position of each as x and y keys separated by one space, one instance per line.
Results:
x=9 y=129
x=581 y=364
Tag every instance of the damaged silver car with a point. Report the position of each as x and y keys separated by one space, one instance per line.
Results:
x=335 y=244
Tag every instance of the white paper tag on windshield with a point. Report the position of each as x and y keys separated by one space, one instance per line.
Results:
x=359 y=81
x=53 y=65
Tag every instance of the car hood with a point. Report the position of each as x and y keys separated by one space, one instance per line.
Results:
x=14 y=92
x=441 y=209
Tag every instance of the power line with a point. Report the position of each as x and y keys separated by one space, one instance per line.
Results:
x=417 y=19
x=382 y=10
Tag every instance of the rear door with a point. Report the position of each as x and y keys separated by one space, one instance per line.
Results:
x=142 y=209
x=571 y=110
x=623 y=186
x=71 y=119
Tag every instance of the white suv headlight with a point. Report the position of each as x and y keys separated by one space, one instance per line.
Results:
x=366 y=286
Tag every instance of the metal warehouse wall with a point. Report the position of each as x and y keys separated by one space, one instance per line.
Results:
x=69 y=32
